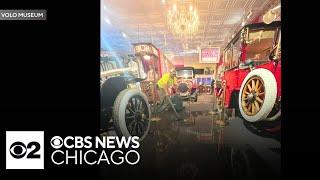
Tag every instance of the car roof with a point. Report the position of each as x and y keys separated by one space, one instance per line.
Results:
x=184 y=68
x=254 y=26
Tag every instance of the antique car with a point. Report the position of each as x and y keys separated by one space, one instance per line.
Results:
x=186 y=87
x=124 y=107
x=204 y=82
x=251 y=79
x=127 y=90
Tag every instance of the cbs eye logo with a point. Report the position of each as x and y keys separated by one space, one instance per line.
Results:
x=18 y=150
x=56 y=142
x=24 y=150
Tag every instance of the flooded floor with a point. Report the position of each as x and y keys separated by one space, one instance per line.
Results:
x=206 y=144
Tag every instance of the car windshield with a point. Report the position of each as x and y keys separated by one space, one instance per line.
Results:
x=108 y=64
x=260 y=43
x=185 y=73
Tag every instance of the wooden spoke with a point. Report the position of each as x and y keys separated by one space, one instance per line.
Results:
x=253 y=84
x=257 y=85
x=249 y=87
x=244 y=106
x=253 y=109
x=260 y=100
x=250 y=106
x=257 y=105
x=259 y=88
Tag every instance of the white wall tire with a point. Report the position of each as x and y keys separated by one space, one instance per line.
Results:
x=256 y=102
x=122 y=116
x=275 y=114
x=274 y=117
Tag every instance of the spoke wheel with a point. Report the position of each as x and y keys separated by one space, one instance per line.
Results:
x=136 y=116
x=253 y=96
x=132 y=114
x=258 y=94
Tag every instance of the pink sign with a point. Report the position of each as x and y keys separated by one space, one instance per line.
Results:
x=209 y=55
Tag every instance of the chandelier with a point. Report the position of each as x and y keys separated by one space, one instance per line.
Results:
x=183 y=21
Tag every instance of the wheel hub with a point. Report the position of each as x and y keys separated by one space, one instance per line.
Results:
x=250 y=96
x=138 y=116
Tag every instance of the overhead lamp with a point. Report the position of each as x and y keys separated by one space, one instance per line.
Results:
x=104 y=7
x=174 y=7
x=190 y=8
x=147 y=57
x=124 y=35
x=107 y=21
x=271 y=15
x=183 y=20
x=243 y=23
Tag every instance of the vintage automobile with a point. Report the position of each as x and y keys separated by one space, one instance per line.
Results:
x=204 y=82
x=128 y=90
x=186 y=87
x=124 y=107
x=251 y=80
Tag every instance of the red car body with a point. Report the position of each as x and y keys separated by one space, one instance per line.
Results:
x=233 y=76
x=234 y=79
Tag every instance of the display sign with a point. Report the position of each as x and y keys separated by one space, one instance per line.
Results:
x=146 y=48
x=209 y=55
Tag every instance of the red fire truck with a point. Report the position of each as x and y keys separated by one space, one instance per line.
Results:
x=251 y=78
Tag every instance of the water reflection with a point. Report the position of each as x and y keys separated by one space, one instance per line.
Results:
x=208 y=144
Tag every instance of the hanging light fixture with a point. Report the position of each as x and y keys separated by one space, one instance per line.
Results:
x=271 y=15
x=183 y=21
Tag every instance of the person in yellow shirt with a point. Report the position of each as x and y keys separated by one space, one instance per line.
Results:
x=166 y=82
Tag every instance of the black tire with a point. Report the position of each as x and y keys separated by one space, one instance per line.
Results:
x=275 y=113
x=109 y=91
x=131 y=114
